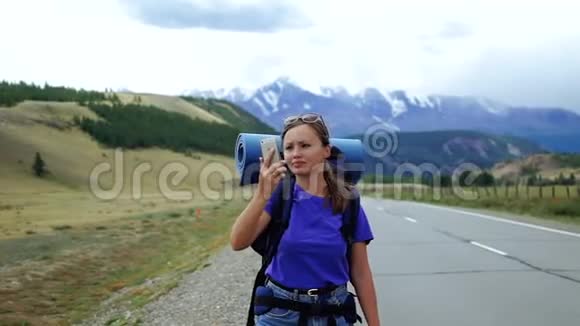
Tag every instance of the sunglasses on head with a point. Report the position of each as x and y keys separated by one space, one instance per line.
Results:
x=306 y=117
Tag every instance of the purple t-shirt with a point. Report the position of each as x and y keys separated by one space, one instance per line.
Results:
x=312 y=251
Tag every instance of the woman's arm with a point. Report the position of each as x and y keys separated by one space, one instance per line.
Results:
x=251 y=222
x=362 y=280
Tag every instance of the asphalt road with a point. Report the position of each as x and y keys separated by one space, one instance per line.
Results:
x=443 y=266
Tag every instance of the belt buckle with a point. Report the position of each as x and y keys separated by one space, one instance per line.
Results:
x=311 y=293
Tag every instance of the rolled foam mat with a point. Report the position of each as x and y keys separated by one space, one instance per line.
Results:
x=248 y=151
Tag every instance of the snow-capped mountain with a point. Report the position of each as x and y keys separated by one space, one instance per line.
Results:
x=350 y=114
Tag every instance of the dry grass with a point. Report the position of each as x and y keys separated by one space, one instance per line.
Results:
x=562 y=205
x=229 y=108
x=38 y=202
x=171 y=103
x=42 y=213
x=71 y=155
x=63 y=250
x=61 y=277
x=546 y=165
x=30 y=112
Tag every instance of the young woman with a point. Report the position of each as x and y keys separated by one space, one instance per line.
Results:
x=310 y=264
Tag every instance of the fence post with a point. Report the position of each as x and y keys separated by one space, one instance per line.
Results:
x=527 y=192
x=568 y=191
x=495 y=190
x=541 y=191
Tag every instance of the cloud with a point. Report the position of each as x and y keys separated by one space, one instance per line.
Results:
x=436 y=42
x=262 y=16
x=454 y=30
x=489 y=48
x=542 y=76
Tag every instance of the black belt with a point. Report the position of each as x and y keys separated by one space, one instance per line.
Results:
x=307 y=310
x=318 y=291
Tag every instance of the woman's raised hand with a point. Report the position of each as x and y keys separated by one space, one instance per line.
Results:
x=270 y=175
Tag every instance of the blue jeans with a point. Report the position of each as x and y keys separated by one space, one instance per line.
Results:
x=285 y=317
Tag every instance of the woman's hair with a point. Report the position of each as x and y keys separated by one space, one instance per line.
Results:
x=339 y=190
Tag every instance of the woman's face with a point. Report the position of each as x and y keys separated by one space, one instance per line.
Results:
x=303 y=150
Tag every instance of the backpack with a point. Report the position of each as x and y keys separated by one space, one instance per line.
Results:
x=266 y=244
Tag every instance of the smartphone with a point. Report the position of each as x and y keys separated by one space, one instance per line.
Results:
x=268 y=143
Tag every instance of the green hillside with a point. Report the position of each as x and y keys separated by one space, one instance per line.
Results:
x=231 y=113
x=448 y=149
x=136 y=126
x=130 y=120
x=568 y=160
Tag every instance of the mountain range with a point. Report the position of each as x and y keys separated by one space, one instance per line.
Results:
x=444 y=151
x=347 y=114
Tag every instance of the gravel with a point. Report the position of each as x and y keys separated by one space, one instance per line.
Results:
x=216 y=295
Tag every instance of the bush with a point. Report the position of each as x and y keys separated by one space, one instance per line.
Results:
x=39 y=167
x=61 y=227
x=565 y=208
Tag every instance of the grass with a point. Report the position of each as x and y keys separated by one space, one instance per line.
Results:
x=64 y=251
x=569 y=160
x=61 y=277
x=552 y=203
x=71 y=155
x=70 y=169
x=172 y=104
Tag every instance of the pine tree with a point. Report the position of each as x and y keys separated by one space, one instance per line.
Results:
x=39 y=166
x=572 y=179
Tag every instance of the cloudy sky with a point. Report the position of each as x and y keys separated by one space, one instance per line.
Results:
x=518 y=52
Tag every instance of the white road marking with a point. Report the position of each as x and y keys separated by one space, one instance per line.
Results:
x=493 y=218
x=488 y=248
x=411 y=220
